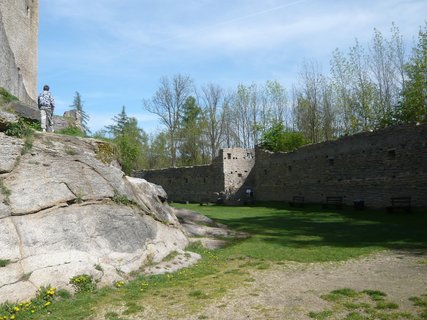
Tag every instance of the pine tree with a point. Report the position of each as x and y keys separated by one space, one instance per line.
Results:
x=120 y=121
x=78 y=106
x=130 y=140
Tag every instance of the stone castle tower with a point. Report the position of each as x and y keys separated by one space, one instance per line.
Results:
x=19 y=48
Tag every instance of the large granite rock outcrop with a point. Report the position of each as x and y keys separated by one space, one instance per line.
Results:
x=67 y=209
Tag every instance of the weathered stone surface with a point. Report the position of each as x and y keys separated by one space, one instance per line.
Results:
x=204 y=230
x=19 y=291
x=9 y=241
x=10 y=150
x=24 y=110
x=6 y=118
x=181 y=260
x=192 y=216
x=53 y=181
x=152 y=199
x=10 y=274
x=4 y=208
x=62 y=217
x=210 y=243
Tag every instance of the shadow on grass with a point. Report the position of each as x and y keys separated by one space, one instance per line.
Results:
x=311 y=226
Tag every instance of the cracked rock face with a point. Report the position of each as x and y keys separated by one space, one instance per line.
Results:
x=61 y=216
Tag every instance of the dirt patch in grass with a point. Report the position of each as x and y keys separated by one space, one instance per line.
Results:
x=386 y=285
x=295 y=290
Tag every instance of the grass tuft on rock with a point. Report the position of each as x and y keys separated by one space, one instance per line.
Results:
x=4 y=262
x=6 y=97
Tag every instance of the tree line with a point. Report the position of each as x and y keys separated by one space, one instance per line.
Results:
x=367 y=87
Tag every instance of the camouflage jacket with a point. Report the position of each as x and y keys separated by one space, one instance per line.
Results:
x=46 y=101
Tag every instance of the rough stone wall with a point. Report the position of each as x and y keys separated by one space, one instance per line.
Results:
x=187 y=183
x=237 y=166
x=71 y=118
x=228 y=173
x=19 y=48
x=371 y=166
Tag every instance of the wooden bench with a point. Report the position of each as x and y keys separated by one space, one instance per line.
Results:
x=333 y=201
x=297 y=201
x=402 y=203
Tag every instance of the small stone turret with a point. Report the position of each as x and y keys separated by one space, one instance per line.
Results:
x=71 y=118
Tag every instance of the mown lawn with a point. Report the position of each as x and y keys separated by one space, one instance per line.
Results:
x=278 y=233
x=312 y=234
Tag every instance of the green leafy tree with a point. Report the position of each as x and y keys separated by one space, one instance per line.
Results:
x=130 y=140
x=414 y=102
x=191 y=134
x=78 y=106
x=158 y=151
x=278 y=138
x=130 y=144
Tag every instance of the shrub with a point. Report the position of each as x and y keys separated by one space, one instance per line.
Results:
x=72 y=131
x=83 y=283
x=278 y=138
x=121 y=199
x=63 y=294
x=4 y=262
x=22 y=128
x=106 y=152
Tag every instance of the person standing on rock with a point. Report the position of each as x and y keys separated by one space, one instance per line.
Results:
x=46 y=105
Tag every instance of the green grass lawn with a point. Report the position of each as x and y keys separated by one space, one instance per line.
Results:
x=278 y=233
x=311 y=234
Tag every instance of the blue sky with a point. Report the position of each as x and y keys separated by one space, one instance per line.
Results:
x=114 y=52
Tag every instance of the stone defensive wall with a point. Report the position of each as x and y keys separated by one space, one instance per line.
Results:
x=238 y=166
x=228 y=174
x=19 y=48
x=371 y=166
